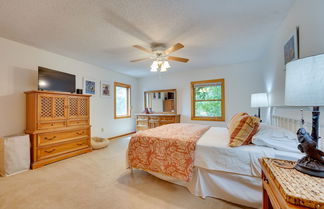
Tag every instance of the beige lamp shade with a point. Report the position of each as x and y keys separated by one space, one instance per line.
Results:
x=305 y=82
x=259 y=100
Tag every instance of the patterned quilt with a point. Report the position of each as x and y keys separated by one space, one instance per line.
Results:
x=167 y=149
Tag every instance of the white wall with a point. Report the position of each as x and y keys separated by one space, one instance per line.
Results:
x=18 y=73
x=309 y=16
x=241 y=80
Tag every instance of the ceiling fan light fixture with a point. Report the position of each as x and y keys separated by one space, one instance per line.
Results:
x=160 y=56
x=154 y=69
x=166 y=64
x=155 y=65
x=163 y=69
x=159 y=64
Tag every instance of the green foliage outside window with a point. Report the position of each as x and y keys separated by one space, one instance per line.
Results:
x=206 y=104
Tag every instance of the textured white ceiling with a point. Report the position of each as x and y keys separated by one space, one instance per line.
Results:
x=102 y=32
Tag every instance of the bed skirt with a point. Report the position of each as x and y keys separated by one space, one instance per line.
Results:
x=231 y=187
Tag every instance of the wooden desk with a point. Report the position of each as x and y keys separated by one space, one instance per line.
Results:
x=273 y=197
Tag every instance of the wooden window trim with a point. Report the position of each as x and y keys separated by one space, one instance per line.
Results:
x=129 y=87
x=193 y=116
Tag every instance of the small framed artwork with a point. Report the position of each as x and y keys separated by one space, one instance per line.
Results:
x=291 y=48
x=89 y=86
x=105 y=89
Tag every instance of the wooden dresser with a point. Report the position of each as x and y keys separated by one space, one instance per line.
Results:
x=58 y=125
x=147 y=121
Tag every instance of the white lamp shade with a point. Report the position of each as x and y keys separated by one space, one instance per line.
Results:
x=305 y=82
x=259 y=100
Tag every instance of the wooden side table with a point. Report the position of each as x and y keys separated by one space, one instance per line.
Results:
x=273 y=193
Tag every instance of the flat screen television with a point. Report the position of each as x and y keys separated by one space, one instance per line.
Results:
x=52 y=80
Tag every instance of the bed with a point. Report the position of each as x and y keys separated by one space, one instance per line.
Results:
x=231 y=174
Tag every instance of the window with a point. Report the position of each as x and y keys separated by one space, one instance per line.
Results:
x=208 y=100
x=122 y=100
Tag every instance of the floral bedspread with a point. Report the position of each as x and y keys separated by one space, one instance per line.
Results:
x=167 y=149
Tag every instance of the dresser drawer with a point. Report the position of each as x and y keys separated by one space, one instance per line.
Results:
x=165 y=123
x=142 y=127
x=141 y=117
x=168 y=119
x=52 y=151
x=142 y=122
x=54 y=137
x=154 y=118
x=77 y=122
x=49 y=125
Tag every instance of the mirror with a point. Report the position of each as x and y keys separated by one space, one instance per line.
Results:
x=161 y=101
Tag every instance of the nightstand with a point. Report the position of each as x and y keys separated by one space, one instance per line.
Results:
x=287 y=188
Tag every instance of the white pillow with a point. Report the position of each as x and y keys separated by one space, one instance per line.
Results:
x=277 y=138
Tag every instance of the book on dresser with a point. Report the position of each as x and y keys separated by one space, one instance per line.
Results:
x=58 y=124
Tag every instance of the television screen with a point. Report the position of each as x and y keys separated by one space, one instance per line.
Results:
x=52 y=80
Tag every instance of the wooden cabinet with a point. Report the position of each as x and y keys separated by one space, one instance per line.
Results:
x=78 y=107
x=58 y=124
x=168 y=105
x=147 y=121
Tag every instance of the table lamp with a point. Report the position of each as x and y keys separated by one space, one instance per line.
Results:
x=305 y=87
x=259 y=100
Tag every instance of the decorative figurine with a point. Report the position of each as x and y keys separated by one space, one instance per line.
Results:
x=313 y=162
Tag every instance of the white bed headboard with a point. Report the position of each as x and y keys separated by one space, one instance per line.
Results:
x=290 y=118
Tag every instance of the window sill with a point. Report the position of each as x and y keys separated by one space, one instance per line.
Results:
x=122 y=117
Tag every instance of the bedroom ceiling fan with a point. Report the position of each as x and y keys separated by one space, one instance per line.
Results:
x=160 y=56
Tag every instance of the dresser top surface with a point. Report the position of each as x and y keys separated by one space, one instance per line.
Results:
x=157 y=114
x=56 y=92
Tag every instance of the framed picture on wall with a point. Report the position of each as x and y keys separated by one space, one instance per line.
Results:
x=89 y=86
x=291 y=48
x=105 y=89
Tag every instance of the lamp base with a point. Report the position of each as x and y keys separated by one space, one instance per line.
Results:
x=310 y=166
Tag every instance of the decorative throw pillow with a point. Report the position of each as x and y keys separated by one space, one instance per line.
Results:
x=242 y=129
x=235 y=117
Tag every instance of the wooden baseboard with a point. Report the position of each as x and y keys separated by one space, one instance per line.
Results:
x=119 y=136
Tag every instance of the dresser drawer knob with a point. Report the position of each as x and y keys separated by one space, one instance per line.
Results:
x=50 y=151
x=79 y=144
x=80 y=133
x=52 y=124
x=51 y=138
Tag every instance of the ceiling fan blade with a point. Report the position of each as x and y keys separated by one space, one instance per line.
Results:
x=142 y=48
x=179 y=59
x=142 y=59
x=174 y=48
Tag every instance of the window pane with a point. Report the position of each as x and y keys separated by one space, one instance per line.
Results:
x=121 y=101
x=208 y=92
x=208 y=109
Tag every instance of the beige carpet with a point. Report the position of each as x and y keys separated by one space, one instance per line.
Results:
x=97 y=180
